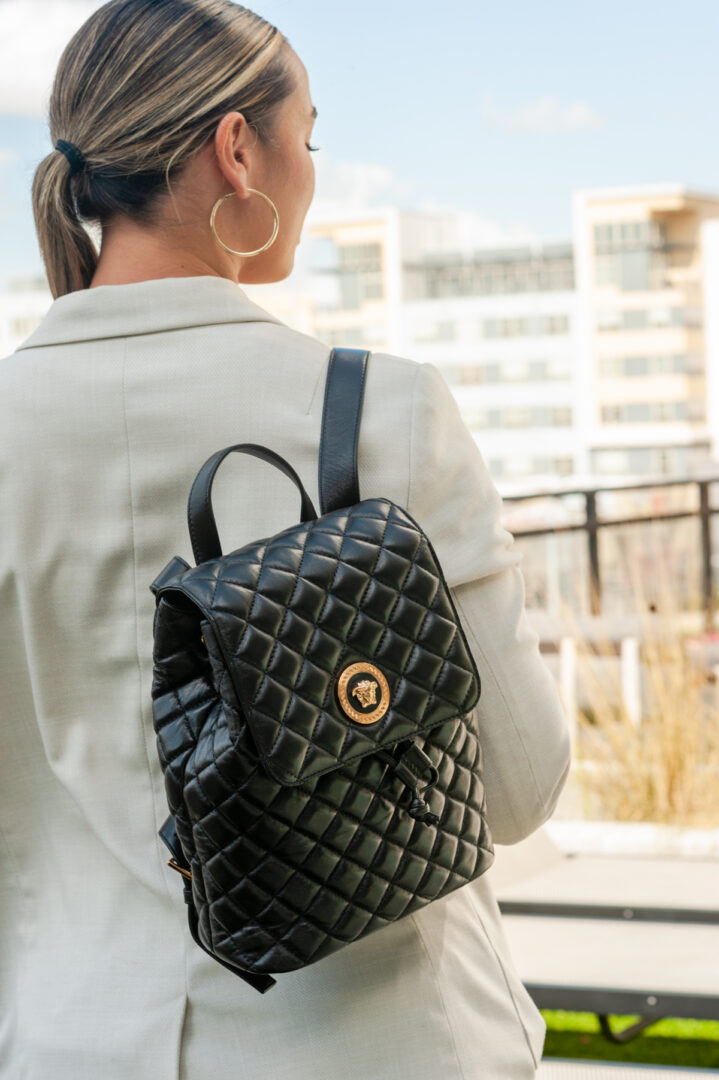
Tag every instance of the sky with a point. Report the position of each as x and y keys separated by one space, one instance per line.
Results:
x=501 y=110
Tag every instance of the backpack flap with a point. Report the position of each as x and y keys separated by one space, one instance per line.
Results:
x=339 y=636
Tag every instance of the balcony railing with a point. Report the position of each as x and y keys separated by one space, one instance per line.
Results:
x=591 y=514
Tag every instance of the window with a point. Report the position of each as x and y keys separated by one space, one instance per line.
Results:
x=640 y=318
x=469 y=374
x=505 y=273
x=611 y=367
x=632 y=270
x=445 y=330
x=602 y=234
x=635 y=270
x=669 y=410
x=518 y=466
x=636 y=365
x=560 y=416
x=629 y=235
x=360 y=274
x=641 y=459
x=634 y=319
x=517 y=417
x=534 y=325
x=611 y=461
x=619 y=366
x=23 y=326
x=475 y=419
x=350 y=292
x=660 y=315
x=554 y=466
x=515 y=370
x=664 y=462
x=527 y=326
x=641 y=412
x=695 y=409
x=558 y=324
x=559 y=369
x=606 y=268
x=689 y=317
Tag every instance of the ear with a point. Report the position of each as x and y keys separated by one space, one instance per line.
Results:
x=235 y=143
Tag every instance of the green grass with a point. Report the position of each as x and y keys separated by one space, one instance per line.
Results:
x=667 y=1042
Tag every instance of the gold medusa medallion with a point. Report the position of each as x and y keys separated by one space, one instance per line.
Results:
x=363 y=692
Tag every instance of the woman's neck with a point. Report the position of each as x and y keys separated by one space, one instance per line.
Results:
x=131 y=253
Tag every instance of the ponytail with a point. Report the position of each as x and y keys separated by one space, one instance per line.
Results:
x=69 y=254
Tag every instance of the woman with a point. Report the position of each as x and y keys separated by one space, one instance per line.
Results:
x=150 y=358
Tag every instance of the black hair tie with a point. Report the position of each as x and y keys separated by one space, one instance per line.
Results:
x=73 y=155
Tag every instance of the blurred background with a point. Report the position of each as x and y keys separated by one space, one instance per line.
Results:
x=527 y=196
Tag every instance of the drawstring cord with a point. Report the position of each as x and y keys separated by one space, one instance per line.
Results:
x=410 y=767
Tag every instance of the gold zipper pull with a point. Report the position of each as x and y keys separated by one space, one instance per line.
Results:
x=180 y=869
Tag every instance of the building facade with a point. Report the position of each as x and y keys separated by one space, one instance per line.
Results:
x=499 y=323
x=23 y=304
x=595 y=358
x=646 y=291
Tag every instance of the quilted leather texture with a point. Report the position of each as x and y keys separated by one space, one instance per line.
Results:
x=293 y=816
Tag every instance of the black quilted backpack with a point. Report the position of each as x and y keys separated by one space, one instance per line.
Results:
x=313 y=698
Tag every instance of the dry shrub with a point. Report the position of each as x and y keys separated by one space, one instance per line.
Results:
x=666 y=768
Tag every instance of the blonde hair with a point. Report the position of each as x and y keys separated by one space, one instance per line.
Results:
x=139 y=89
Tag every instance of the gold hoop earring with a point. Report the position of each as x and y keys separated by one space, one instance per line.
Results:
x=275 y=227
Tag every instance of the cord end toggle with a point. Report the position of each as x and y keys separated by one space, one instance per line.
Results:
x=412 y=765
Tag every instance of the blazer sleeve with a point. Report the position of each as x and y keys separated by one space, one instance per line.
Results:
x=524 y=732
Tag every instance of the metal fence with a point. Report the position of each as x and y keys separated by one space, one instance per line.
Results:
x=663 y=527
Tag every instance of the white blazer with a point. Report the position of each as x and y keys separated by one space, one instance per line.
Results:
x=107 y=411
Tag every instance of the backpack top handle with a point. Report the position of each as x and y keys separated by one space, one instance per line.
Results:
x=338 y=483
x=200 y=516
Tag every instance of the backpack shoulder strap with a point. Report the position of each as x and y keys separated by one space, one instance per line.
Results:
x=341 y=414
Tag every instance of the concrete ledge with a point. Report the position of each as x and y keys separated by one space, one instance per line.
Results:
x=568 y=1069
x=633 y=838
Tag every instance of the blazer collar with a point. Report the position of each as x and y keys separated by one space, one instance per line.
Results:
x=144 y=307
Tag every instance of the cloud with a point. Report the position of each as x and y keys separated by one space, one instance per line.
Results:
x=346 y=188
x=342 y=187
x=475 y=231
x=34 y=34
x=7 y=157
x=546 y=115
